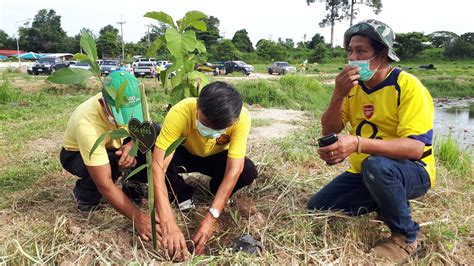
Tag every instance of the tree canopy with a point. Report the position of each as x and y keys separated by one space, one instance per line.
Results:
x=108 y=43
x=45 y=33
x=242 y=41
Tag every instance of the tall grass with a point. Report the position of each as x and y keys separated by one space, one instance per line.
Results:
x=7 y=92
x=290 y=91
x=452 y=157
x=449 y=88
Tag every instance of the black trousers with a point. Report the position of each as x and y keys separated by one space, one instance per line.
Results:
x=213 y=166
x=85 y=189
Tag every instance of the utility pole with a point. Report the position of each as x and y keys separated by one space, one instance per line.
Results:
x=17 y=43
x=121 y=22
x=148 y=34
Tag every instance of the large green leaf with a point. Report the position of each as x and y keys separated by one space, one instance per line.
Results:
x=178 y=93
x=119 y=133
x=70 y=76
x=120 y=96
x=178 y=78
x=136 y=170
x=94 y=66
x=192 y=17
x=198 y=80
x=161 y=16
x=179 y=43
x=98 y=141
x=198 y=24
x=88 y=45
x=174 y=146
x=155 y=46
x=200 y=46
x=189 y=40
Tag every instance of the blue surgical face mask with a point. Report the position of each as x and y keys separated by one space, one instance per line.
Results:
x=364 y=69
x=208 y=132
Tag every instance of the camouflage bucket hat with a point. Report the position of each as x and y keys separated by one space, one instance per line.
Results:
x=376 y=30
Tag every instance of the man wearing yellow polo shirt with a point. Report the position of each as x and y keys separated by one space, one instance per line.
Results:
x=98 y=172
x=216 y=127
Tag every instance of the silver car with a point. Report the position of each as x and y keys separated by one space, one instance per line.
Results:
x=281 y=68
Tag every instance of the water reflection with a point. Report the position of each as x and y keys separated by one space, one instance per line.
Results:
x=457 y=121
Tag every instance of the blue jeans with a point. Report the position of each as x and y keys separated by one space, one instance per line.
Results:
x=384 y=185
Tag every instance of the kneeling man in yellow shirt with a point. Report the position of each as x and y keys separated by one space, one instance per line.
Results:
x=215 y=127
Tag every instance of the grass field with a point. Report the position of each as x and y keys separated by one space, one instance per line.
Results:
x=41 y=225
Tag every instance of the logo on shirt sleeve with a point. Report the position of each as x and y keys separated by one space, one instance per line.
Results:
x=223 y=139
x=368 y=110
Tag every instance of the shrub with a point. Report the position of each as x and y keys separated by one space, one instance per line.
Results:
x=452 y=157
x=7 y=92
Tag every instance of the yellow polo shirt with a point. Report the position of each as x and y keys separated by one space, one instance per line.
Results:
x=181 y=122
x=83 y=129
x=399 y=107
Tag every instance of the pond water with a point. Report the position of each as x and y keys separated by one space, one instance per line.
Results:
x=455 y=118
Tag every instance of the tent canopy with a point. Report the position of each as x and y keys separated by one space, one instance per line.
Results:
x=30 y=55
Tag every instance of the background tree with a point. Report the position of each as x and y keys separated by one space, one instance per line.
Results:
x=210 y=37
x=317 y=39
x=225 y=51
x=461 y=47
x=45 y=34
x=6 y=42
x=319 y=53
x=242 y=41
x=468 y=37
x=108 y=43
x=270 y=50
x=145 y=42
x=409 y=44
x=288 y=43
x=339 y=10
x=440 y=39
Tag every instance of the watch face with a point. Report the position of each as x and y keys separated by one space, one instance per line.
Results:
x=214 y=213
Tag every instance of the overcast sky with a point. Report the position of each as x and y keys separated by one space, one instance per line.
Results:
x=263 y=19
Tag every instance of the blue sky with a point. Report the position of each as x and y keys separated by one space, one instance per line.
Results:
x=263 y=19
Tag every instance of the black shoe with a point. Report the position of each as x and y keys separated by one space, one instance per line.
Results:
x=135 y=191
x=86 y=206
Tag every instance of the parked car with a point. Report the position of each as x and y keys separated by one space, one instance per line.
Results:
x=81 y=64
x=207 y=67
x=238 y=66
x=47 y=65
x=109 y=66
x=145 y=69
x=142 y=59
x=281 y=68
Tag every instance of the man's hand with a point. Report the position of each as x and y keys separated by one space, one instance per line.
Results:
x=204 y=232
x=143 y=226
x=347 y=79
x=173 y=241
x=339 y=150
x=126 y=161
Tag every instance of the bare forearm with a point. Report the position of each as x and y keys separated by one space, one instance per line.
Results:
x=119 y=201
x=401 y=148
x=162 y=204
x=226 y=187
x=331 y=120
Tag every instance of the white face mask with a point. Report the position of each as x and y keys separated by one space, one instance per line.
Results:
x=365 y=72
x=208 y=132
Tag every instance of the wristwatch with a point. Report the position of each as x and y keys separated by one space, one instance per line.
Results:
x=215 y=213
